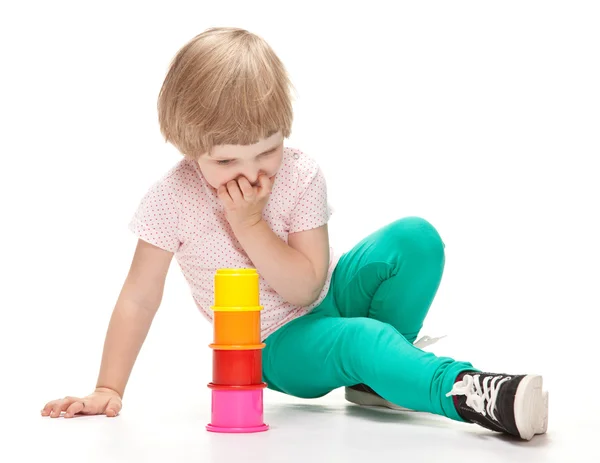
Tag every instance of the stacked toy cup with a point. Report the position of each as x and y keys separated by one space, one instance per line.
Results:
x=237 y=386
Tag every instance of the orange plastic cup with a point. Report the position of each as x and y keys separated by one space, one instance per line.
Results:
x=237 y=327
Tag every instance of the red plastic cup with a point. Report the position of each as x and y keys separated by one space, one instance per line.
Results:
x=237 y=367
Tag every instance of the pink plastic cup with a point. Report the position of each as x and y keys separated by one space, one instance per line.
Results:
x=237 y=409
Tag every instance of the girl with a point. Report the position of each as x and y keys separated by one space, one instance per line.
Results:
x=240 y=198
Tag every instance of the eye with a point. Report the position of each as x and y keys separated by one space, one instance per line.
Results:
x=269 y=152
x=225 y=162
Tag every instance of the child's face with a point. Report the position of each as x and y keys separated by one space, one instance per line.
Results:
x=229 y=162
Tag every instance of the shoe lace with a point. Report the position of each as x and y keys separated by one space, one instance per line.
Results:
x=481 y=395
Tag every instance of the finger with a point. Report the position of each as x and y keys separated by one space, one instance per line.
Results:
x=63 y=405
x=265 y=184
x=223 y=195
x=247 y=189
x=113 y=408
x=48 y=407
x=74 y=408
x=234 y=191
x=57 y=408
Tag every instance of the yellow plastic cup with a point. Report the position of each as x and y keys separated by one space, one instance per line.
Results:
x=236 y=287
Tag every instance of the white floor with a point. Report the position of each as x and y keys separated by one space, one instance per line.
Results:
x=323 y=430
x=167 y=406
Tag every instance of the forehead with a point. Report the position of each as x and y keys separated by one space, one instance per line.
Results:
x=241 y=151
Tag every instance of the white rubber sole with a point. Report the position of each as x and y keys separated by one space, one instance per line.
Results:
x=370 y=400
x=531 y=407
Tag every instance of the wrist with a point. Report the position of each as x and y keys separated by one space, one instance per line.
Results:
x=109 y=390
x=247 y=227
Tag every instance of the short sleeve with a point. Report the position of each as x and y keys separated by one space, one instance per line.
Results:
x=157 y=217
x=312 y=209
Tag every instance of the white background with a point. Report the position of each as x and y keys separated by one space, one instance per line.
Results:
x=482 y=117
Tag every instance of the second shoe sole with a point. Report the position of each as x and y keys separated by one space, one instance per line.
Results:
x=531 y=407
x=371 y=400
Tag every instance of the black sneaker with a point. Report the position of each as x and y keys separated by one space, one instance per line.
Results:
x=362 y=394
x=512 y=404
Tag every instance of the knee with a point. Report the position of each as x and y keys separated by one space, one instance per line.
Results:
x=360 y=337
x=418 y=237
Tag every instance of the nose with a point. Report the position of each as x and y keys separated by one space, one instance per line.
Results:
x=252 y=177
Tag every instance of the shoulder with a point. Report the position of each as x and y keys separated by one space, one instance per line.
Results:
x=300 y=167
x=299 y=160
x=176 y=181
x=181 y=175
x=308 y=204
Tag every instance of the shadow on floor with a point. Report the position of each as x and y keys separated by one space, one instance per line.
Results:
x=288 y=412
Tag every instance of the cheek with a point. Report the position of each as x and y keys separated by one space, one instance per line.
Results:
x=215 y=176
x=273 y=165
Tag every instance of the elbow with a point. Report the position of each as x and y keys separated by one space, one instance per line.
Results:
x=309 y=296
x=303 y=300
x=312 y=283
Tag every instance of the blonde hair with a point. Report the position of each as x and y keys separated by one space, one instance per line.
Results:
x=225 y=86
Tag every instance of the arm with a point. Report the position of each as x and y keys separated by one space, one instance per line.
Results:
x=132 y=316
x=297 y=270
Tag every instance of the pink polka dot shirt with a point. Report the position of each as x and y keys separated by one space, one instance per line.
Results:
x=182 y=214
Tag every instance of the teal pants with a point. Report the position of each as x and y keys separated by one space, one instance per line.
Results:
x=364 y=329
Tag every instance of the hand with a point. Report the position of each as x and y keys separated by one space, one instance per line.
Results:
x=244 y=203
x=103 y=401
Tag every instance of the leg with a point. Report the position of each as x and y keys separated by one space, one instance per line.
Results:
x=319 y=352
x=392 y=275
